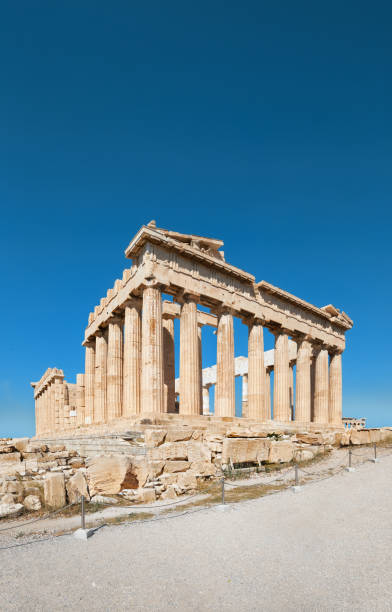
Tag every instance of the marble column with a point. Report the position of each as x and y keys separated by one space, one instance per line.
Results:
x=152 y=390
x=52 y=408
x=89 y=381
x=80 y=401
x=256 y=373
x=199 y=343
x=100 y=385
x=190 y=371
x=169 y=374
x=58 y=392
x=244 y=402
x=335 y=389
x=132 y=358
x=268 y=392
x=303 y=383
x=115 y=368
x=225 y=380
x=321 y=387
x=206 y=400
x=281 y=378
x=37 y=415
x=45 y=410
x=291 y=390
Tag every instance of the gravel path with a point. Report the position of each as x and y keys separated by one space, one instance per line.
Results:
x=324 y=548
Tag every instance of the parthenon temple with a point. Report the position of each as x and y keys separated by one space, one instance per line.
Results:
x=129 y=346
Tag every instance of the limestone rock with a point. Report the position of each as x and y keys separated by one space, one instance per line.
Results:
x=101 y=499
x=203 y=468
x=374 y=436
x=9 y=457
x=146 y=496
x=308 y=438
x=154 y=437
x=56 y=448
x=76 y=462
x=186 y=481
x=197 y=451
x=303 y=455
x=169 y=494
x=15 y=488
x=7 y=448
x=244 y=450
x=76 y=487
x=32 y=502
x=177 y=466
x=179 y=434
x=281 y=452
x=8 y=498
x=110 y=474
x=54 y=490
x=173 y=450
x=10 y=510
x=361 y=436
x=21 y=444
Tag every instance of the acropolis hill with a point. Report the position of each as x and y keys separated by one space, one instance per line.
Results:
x=141 y=429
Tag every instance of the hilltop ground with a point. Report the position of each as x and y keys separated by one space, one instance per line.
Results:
x=326 y=547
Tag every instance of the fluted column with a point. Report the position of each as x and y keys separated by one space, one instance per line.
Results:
x=115 y=368
x=206 y=400
x=321 y=387
x=169 y=374
x=225 y=381
x=80 y=401
x=303 y=383
x=100 y=388
x=58 y=392
x=190 y=371
x=52 y=409
x=37 y=415
x=152 y=351
x=281 y=378
x=268 y=392
x=244 y=401
x=45 y=409
x=89 y=381
x=256 y=373
x=291 y=390
x=335 y=389
x=132 y=358
x=199 y=344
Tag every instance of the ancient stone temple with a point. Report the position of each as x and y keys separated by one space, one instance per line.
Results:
x=130 y=346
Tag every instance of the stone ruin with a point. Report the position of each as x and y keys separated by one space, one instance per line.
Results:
x=128 y=389
x=129 y=345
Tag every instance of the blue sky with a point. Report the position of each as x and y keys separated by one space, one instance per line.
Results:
x=265 y=124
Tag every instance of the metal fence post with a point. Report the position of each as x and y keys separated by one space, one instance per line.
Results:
x=83 y=525
x=223 y=490
x=349 y=457
x=296 y=475
x=375 y=451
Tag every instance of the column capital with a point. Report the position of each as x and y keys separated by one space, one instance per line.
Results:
x=187 y=296
x=133 y=302
x=116 y=319
x=251 y=320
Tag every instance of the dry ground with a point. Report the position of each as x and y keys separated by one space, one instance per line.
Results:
x=324 y=548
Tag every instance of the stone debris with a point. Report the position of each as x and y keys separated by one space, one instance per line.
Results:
x=173 y=462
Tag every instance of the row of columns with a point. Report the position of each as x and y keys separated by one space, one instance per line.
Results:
x=52 y=409
x=129 y=368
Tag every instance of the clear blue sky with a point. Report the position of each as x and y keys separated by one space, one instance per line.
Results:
x=266 y=124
